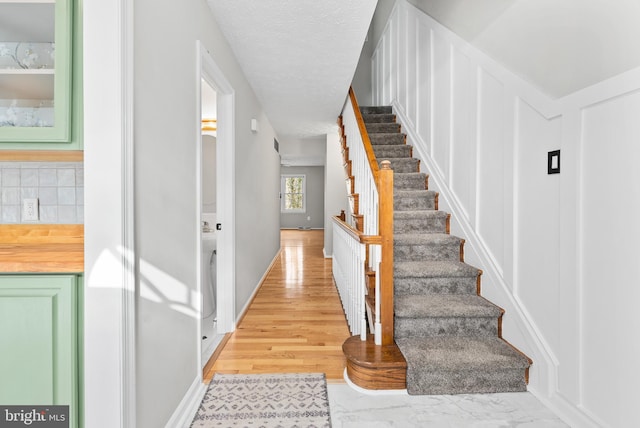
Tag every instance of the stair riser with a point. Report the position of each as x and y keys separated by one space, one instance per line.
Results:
x=379 y=118
x=437 y=382
x=387 y=139
x=411 y=182
x=423 y=225
x=446 y=326
x=404 y=165
x=460 y=285
x=426 y=202
x=397 y=151
x=426 y=251
x=383 y=128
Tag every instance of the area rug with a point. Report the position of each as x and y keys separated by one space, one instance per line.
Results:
x=265 y=401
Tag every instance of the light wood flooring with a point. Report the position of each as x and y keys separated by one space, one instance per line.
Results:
x=295 y=323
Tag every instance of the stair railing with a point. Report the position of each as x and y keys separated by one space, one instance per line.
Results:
x=349 y=262
x=364 y=239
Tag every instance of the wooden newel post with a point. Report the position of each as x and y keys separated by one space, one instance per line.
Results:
x=385 y=230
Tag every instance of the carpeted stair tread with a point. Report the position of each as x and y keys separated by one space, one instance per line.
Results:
x=425 y=239
x=379 y=118
x=376 y=109
x=462 y=365
x=417 y=214
x=426 y=246
x=461 y=353
x=428 y=221
x=417 y=285
x=413 y=193
x=405 y=175
x=434 y=269
x=383 y=128
x=411 y=200
x=444 y=305
x=403 y=164
x=435 y=315
x=394 y=139
x=435 y=277
x=392 y=151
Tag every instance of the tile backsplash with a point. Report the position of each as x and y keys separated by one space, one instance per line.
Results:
x=58 y=186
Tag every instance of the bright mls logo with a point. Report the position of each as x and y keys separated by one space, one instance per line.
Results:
x=34 y=416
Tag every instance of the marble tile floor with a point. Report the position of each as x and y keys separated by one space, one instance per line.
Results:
x=352 y=409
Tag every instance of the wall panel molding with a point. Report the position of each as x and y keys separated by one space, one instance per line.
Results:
x=483 y=133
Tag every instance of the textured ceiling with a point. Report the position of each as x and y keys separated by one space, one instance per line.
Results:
x=298 y=55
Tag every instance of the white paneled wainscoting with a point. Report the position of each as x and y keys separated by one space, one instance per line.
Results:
x=558 y=251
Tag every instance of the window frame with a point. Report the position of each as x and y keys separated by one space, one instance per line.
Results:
x=283 y=179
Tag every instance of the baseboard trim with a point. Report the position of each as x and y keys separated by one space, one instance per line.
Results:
x=186 y=410
x=215 y=355
x=574 y=416
x=302 y=228
x=372 y=391
x=245 y=308
x=326 y=256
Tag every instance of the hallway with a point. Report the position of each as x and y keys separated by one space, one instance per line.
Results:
x=295 y=323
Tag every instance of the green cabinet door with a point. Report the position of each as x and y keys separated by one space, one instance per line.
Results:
x=39 y=341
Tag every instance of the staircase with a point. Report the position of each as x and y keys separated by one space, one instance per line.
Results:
x=448 y=334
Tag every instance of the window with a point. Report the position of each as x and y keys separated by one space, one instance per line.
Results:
x=293 y=198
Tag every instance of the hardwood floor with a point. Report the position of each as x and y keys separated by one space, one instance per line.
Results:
x=295 y=323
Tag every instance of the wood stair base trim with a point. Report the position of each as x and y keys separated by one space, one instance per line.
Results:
x=374 y=367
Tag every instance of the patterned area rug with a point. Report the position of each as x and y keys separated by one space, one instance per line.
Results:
x=265 y=401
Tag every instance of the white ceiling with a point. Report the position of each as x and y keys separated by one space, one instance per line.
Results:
x=560 y=46
x=298 y=55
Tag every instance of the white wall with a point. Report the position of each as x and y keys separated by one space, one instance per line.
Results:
x=587 y=41
x=309 y=151
x=335 y=190
x=166 y=202
x=559 y=252
x=165 y=135
x=313 y=217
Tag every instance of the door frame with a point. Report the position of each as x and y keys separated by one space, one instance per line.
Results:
x=208 y=70
x=109 y=304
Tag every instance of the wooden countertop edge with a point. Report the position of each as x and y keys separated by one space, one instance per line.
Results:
x=21 y=268
x=42 y=155
x=41 y=248
x=41 y=234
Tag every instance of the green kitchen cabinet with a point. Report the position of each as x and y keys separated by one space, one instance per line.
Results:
x=39 y=341
x=41 y=75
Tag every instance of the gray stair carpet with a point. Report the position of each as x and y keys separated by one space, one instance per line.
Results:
x=446 y=331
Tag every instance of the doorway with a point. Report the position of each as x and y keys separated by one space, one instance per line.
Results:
x=210 y=337
x=216 y=214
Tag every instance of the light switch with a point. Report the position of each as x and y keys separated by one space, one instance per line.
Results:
x=553 y=162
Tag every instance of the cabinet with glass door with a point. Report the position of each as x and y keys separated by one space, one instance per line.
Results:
x=35 y=70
